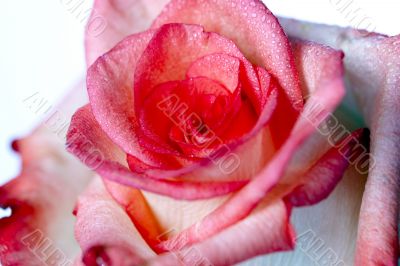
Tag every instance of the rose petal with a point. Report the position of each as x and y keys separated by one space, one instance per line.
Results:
x=100 y=83
x=111 y=77
x=105 y=232
x=88 y=142
x=268 y=227
x=116 y=241
x=251 y=26
x=112 y=20
x=167 y=112
x=169 y=55
x=327 y=231
x=269 y=97
x=137 y=208
x=322 y=178
x=240 y=148
x=177 y=215
x=219 y=67
x=40 y=228
x=373 y=69
x=109 y=83
x=326 y=89
x=321 y=150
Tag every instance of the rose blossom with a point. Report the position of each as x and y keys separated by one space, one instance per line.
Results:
x=169 y=104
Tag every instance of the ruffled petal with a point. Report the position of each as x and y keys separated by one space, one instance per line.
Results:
x=320 y=163
x=326 y=232
x=111 y=77
x=116 y=241
x=112 y=20
x=244 y=166
x=138 y=209
x=105 y=232
x=88 y=142
x=251 y=26
x=320 y=180
x=268 y=227
x=325 y=84
x=40 y=228
x=373 y=69
x=174 y=48
x=109 y=82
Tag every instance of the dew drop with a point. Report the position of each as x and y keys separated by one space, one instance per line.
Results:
x=396 y=42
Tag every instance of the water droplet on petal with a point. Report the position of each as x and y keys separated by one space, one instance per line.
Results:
x=263 y=18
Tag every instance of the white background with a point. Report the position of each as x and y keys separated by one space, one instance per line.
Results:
x=41 y=50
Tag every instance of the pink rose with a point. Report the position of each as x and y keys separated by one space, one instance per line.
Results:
x=202 y=132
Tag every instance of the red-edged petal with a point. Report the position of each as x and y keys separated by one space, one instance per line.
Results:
x=195 y=117
x=109 y=83
x=251 y=151
x=322 y=178
x=105 y=232
x=169 y=55
x=40 y=228
x=324 y=81
x=373 y=68
x=264 y=231
x=116 y=241
x=320 y=152
x=88 y=142
x=209 y=177
x=252 y=27
x=111 y=77
x=112 y=20
x=174 y=112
